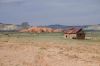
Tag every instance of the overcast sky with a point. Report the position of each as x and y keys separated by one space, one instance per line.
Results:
x=44 y=12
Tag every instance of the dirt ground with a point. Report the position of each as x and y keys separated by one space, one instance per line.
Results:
x=49 y=54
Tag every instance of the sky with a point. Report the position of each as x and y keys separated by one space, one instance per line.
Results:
x=47 y=12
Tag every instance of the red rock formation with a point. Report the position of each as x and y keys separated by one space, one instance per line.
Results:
x=58 y=30
x=40 y=29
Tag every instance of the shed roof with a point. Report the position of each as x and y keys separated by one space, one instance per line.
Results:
x=73 y=30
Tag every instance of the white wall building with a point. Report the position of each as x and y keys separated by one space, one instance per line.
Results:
x=8 y=26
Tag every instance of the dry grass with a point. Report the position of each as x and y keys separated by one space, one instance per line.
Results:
x=47 y=50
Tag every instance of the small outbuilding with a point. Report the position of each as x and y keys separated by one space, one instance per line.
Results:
x=74 y=33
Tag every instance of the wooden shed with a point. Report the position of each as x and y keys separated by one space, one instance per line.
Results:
x=74 y=33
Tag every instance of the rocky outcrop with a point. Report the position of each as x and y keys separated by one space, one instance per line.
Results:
x=40 y=29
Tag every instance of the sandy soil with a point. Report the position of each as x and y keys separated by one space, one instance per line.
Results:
x=44 y=54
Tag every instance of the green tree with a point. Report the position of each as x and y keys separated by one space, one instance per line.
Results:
x=25 y=25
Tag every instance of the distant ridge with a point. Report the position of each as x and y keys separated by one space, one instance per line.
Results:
x=58 y=26
x=55 y=26
x=85 y=27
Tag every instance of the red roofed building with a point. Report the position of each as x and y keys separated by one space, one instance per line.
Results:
x=74 y=33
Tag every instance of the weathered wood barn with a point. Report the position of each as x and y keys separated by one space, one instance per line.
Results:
x=74 y=33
